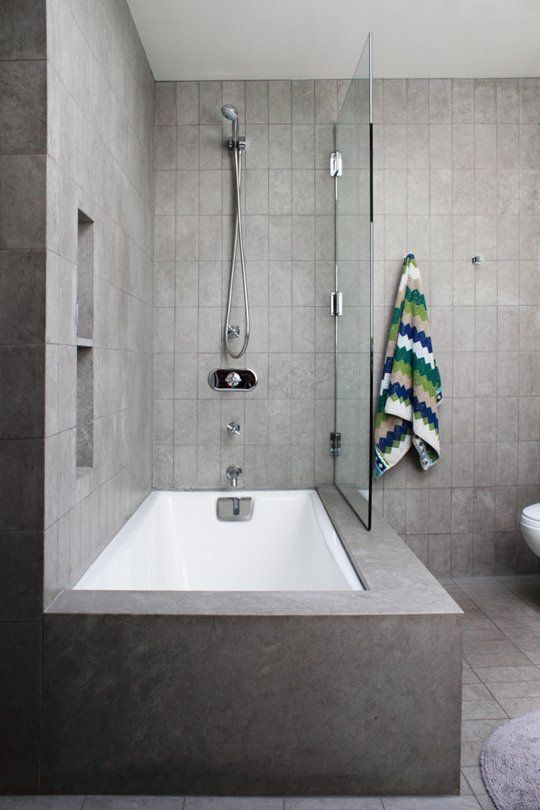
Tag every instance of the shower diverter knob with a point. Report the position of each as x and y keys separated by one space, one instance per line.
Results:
x=233 y=379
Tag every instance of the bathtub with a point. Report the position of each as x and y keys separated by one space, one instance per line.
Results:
x=206 y=657
x=175 y=542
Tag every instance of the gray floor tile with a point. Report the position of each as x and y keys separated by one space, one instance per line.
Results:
x=470 y=677
x=515 y=689
x=489 y=647
x=496 y=674
x=133 y=803
x=516 y=659
x=431 y=803
x=482 y=710
x=472 y=730
x=41 y=802
x=470 y=753
x=473 y=777
x=476 y=691
x=486 y=803
x=334 y=803
x=515 y=707
x=232 y=803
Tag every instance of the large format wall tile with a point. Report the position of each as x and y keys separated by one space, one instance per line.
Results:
x=287 y=203
x=100 y=161
x=22 y=201
x=21 y=573
x=467 y=152
x=22 y=382
x=22 y=30
x=23 y=107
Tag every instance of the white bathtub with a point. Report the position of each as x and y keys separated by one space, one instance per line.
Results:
x=174 y=542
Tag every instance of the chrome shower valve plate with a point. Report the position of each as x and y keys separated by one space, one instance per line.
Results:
x=232 y=379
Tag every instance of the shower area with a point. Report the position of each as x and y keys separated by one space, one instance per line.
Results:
x=263 y=279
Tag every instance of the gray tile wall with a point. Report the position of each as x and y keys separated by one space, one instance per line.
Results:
x=289 y=235
x=100 y=160
x=22 y=336
x=458 y=174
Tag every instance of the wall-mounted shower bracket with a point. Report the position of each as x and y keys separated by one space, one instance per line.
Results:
x=335 y=444
x=336 y=303
x=236 y=143
x=336 y=164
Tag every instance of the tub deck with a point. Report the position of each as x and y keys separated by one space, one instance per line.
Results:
x=259 y=692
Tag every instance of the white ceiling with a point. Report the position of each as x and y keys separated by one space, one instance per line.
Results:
x=277 y=39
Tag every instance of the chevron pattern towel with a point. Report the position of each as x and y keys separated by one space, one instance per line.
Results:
x=411 y=384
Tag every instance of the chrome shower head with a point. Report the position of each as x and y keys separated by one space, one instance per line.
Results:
x=230 y=112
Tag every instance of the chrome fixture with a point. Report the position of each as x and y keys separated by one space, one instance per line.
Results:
x=230 y=112
x=336 y=164
x=232 y=379
x=233 y=429
x=335 y=444
x=234 y=508
x=237 y=145
x=336 y=303
x=233 y=473
x=477 y=259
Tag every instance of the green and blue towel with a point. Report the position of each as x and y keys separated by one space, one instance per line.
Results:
x=410 y=390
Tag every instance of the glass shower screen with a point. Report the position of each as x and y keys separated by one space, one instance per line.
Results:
x=354 y=280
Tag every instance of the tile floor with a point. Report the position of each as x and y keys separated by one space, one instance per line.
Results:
x=501 y=679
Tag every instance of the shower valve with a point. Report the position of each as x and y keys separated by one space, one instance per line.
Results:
x=233 y=332
x=233 y=429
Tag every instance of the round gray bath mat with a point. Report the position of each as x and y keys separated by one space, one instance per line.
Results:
x=510 y=764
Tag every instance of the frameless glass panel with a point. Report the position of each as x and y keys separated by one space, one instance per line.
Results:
x=354 y=276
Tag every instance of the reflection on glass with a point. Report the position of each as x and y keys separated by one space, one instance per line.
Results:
x=354 y=217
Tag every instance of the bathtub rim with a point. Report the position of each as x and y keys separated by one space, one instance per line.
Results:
x=395 y=582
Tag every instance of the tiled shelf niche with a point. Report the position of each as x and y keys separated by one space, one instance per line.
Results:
x=85 y=277
x=85 y=358
x=85 y=409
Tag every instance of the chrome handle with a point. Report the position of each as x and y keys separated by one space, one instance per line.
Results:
x=233 y=429
x=233 y=473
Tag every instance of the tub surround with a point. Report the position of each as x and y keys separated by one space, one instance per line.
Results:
x=288 y=201
x=302 y=692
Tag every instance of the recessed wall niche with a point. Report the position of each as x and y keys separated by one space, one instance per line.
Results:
x=85 y=276
x=85 y=327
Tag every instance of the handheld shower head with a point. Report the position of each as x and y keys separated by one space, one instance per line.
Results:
x=230 y=112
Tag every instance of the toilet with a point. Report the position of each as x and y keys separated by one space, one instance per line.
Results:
x=530 y=527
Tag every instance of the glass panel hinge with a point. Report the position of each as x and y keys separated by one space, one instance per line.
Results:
x=336 y=164
x=335 y=444
x=336 y=303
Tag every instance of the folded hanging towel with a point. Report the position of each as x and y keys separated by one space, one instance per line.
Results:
x=411 y=384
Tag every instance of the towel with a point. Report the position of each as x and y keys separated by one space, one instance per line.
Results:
x=410 y=390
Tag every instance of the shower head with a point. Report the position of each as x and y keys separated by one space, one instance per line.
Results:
x=230 y=112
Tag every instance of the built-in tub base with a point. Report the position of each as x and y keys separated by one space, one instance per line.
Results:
x=259 y=693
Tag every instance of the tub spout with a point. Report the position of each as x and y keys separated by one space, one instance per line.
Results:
x=233 y=474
